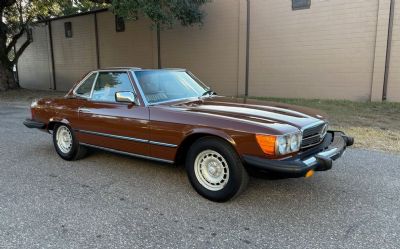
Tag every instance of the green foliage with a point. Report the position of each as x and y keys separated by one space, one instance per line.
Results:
x=21 y=13
x=162 y=12
x=16 y=16
x=69 y=7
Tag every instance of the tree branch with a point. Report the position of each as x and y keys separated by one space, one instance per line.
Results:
x=20 y=51
x=15 y=39
x=7 y=3
x=4 y=4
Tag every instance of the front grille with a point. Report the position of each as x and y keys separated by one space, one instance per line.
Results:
x=313 y=135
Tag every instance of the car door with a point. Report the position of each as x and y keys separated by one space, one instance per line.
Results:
x=106 y=123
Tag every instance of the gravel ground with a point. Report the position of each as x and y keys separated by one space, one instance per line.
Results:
x=112 y=201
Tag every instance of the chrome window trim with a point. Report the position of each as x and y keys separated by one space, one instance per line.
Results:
x=94 y=83
x=136 y=82
x=81 y=82
x=174 y=100
x=139 y=140
x=110 y=71
x=127 y=153
x=167 y=69
x=174 y=69
x=120 y=68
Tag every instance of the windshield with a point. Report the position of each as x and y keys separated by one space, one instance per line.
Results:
x=167 y=85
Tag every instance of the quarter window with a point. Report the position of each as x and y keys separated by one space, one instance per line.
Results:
x=86 y=87
x=108 y=83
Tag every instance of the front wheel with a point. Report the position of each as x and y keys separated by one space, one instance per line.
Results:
x=215 y=170
x=66 y=144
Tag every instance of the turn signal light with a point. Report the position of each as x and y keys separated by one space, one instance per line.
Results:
x=267 y=143
x=280 y=145
x=309 y=174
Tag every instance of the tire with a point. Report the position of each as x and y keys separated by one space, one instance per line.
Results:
x=67 y=148
x=215 y=169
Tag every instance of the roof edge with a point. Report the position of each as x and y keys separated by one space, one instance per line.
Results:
x=73 y=15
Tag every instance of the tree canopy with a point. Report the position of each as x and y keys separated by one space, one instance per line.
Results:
x=163 y=13
x=17 y=16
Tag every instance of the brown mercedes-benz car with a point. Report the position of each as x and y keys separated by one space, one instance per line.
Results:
x=170 y=116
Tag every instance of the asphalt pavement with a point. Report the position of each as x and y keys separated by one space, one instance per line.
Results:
x=112 y=201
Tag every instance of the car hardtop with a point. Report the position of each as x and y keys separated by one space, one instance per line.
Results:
x=133 y=69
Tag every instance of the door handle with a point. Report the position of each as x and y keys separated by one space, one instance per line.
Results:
x=84 y=110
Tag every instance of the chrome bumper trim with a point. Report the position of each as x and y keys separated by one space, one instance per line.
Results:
x=329 y=153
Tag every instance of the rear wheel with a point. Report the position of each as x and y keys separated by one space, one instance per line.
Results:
x=66 y=144
x=215 y=170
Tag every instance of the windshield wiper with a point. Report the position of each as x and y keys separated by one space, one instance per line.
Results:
x=209 y=92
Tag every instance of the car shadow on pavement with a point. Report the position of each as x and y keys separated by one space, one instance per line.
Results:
x=125 y=174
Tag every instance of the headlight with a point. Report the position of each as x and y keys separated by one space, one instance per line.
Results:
x=282 y=144
x=295 y=142
x=324 y=130
x=279 y=145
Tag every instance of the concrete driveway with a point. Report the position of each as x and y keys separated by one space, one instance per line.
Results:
x=112 y=201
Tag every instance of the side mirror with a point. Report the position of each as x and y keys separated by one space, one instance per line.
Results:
x=126 y=97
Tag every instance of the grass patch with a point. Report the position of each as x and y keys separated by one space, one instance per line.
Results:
x=374 y=125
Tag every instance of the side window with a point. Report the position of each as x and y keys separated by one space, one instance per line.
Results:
x=86 y=87
x=108 y=83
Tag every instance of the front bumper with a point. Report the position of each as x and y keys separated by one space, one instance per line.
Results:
x=319 y=158
x=34 y=124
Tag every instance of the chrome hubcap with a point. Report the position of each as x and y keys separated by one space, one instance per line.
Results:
x=64 y=139
x=211 y=170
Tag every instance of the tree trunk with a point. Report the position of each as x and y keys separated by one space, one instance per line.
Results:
x=7 y=80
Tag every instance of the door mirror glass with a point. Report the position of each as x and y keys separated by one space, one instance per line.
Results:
x=125 y=97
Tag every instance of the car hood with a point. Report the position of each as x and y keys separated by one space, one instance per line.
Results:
x=265 y=112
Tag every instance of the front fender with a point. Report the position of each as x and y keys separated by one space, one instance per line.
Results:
x=54 y=120
x=213 y=132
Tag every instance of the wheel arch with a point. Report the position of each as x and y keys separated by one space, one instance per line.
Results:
x=53 y=121
x=197 y=134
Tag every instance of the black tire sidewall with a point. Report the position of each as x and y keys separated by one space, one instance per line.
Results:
x=236 y=169
x=75 y=145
